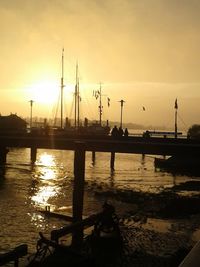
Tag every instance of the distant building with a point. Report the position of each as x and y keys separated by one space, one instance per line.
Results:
x=12 y=124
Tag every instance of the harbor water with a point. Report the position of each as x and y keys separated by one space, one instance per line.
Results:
x=25 y=189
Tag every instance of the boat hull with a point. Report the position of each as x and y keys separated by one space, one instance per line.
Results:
x=187 y=164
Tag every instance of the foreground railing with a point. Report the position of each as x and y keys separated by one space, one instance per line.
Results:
x=193 y=257
x=14 y=255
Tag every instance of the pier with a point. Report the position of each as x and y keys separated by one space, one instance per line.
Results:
x=133 y=145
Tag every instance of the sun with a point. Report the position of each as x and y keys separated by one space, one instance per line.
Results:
x=44 y=91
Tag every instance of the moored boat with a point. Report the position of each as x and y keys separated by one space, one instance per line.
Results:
x=180 y=163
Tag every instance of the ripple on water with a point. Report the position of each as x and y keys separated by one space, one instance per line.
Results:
x=158 y=225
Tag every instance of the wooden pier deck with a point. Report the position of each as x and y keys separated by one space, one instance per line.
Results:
x=137 y=145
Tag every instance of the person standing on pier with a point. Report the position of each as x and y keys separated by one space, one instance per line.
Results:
x=126 y=133
x=121 y=132
x=114 y=131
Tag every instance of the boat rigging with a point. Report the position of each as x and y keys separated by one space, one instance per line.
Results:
x=62 y=89
x=94 y=128
x=77 y=100
x=176 y=109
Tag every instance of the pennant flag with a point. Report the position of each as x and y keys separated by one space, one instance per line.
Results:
x=108 y=101
x=176 y=104
x=143 y=108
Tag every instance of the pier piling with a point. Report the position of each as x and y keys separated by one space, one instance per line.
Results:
x=112 y=161
x=3 y=153
x=93 y=157
x=78 y=191
x=33 y=154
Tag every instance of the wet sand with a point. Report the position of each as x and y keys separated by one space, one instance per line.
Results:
x=157 y=229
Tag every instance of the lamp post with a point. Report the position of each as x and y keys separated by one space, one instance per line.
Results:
x=176 y=108
x=31 y=115
x=122 y=104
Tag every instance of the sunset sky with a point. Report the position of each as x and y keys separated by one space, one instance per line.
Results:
x=146 y=52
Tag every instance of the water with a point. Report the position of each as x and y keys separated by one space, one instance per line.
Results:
x=26 y=188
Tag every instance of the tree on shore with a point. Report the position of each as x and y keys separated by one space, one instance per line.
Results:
x=194 y=131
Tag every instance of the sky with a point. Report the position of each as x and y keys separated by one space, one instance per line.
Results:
x=145 y=52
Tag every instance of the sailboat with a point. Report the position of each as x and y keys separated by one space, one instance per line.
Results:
x=78 y=129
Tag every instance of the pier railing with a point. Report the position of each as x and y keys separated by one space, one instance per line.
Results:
x=14 y=255
x=193 y=257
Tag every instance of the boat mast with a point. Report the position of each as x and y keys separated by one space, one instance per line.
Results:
x=77 y=100
x=78 y=104
x=176 y=108
x=62 y=87
x=100 y=106
x=121 y=104
x=76 y=94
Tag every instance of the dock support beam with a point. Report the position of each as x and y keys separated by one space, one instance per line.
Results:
x=33 y=154
x=93 y=157
x=112 y=161
x=78 y=191
x=3 y=153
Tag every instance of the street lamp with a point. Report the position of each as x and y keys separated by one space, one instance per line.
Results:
x=122 y=104
x=31 y=115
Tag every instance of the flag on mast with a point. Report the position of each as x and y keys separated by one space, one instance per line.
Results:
x=176 y=104
x=108 y=99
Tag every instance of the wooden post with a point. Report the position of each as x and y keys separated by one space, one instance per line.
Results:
x=78 y=191
x=33 y=154
x=93 y=157
x=3 y=154
x=112 y=161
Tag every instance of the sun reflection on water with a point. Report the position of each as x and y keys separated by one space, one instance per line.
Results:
x=46 y=189
x=48 y=174
x=46 y=160
x=43 y=195
x=37 y=220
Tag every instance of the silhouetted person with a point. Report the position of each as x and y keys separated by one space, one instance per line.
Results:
x=146 y=134
x=46 y=129
x=86 y=122
x=126 y=132
x=121 y=132
x=114 y=131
